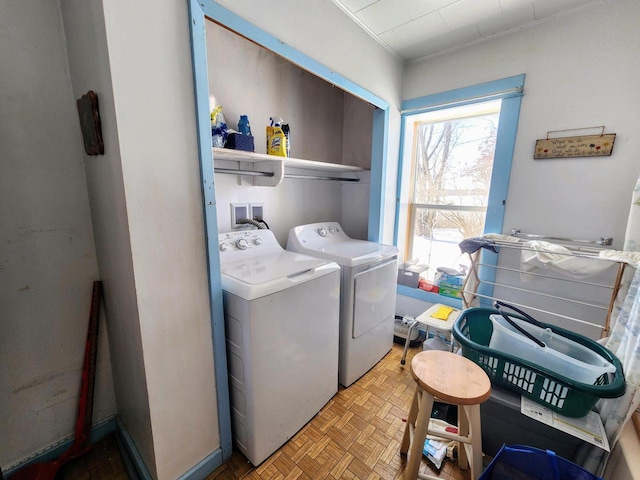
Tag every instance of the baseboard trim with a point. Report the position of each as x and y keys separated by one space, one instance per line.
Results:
x=135 y=466
x=137 y=470
x=140 y=471
x=49 y=454
x=204 y=468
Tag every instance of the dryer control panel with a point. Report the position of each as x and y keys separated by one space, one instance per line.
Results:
x=237 y=245
x=316 y=234
x=328 y=240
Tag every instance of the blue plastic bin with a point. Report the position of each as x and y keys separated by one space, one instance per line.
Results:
x=519 y=462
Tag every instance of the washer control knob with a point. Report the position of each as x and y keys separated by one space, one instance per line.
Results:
x=257 y=241
x=224 y=247
x=322 y=232
x=242 y=244
x=332 y=230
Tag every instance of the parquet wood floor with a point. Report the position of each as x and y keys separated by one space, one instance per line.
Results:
x=357 y=434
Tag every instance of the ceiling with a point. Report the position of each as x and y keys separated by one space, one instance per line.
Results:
x=416 y=29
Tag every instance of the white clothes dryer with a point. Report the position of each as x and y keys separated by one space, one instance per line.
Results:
x=281 y=314
x=369 y=273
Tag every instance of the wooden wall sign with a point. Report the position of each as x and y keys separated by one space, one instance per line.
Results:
x=579 y=146
x=90 y=123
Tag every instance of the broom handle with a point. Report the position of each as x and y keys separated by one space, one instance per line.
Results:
x=85 y=407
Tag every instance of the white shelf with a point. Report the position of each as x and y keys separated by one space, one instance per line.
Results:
x=242 y=156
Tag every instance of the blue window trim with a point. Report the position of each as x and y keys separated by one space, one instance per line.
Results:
x=199 y=11
x=378 y=175
x=510 y=91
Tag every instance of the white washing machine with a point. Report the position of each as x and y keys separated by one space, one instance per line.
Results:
x=369 y=273
x=282 y=329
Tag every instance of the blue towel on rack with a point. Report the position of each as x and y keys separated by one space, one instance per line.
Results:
x=471 y=245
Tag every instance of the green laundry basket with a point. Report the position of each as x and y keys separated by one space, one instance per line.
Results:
x=571 y=398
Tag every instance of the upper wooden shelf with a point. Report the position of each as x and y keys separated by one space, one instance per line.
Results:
x=242 y=156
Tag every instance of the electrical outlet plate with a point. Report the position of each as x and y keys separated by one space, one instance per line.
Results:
x=257 y=211
x=239 y=211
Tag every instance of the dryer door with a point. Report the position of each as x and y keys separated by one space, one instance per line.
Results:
x=374 y=296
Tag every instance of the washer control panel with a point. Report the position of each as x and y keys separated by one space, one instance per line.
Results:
x=236 y=245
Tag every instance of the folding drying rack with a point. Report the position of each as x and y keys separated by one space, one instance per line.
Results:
x=581 y=304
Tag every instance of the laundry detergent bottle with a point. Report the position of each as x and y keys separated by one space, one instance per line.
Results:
x=276 y=139
x=244 y=126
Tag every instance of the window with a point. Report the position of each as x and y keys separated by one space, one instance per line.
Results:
x=452 y=161
x=454 y=171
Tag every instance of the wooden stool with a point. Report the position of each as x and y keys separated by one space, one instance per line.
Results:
x=452 y=379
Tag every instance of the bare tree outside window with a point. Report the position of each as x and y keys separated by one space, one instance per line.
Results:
x=453 y=161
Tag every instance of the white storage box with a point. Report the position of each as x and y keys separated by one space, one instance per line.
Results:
x=560 y=355
x=409 y=274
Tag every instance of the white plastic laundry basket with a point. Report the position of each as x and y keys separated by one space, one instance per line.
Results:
x=560 y=354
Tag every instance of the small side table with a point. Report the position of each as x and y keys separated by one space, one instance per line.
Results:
x=426 y=318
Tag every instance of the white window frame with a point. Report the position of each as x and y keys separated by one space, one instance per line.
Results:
x=509 y=90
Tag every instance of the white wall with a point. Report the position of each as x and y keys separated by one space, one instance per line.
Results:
x=147 y=210
x=89 y=69
x=580 y=72
x=47 y=255
x=293 y=202
x=153 y=94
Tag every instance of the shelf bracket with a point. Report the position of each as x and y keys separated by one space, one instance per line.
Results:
x=276 y=167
